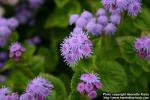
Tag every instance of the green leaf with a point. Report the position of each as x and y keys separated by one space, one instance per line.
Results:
x=106 y=48
x=61 y=3
x=51 y=55
x=60 y=17
x=30 y=49
x=126 y=45
x=8 y=65
x=37 y=64
x=143 y=22
x=136 y=70
x=17 y=81
x=113 y=76
x=14 y=37
x=59 y=87
x=144 y=64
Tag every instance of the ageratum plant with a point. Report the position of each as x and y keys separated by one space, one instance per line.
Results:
x=73 y=49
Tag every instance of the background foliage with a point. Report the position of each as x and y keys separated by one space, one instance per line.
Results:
x=114 y=58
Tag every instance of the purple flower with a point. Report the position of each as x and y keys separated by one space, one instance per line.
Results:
x=77 y=30
x=89 y=78
x=98 y=85
x=5 y=94
x=142 y=47
x=92 y=94
x=4 y=31
x=87 y=15
x=134 y=7
x=16 y=51
x=103 y=20
x=94 y=28
x=108 y=3
x=81 y=87
x=3 y=21
x=115 y=19
x=76 y=47
x=81 y=22
x=13 y=23
x=101 y=12
x=39 y=87
x=26 y=96
x=110 y=29
x=122 y=4
x=4 y=91
x=89 y=84
x=73 y=18
x=89 y=87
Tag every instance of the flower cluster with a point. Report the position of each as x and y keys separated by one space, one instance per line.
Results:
x=24 y=10
x=6 y=28
x=142 y=47
x=75 y=47
x=133 y=7
x=89 y=84
x=16 y=50
x=95 y=25
x=37 y=89
x=5 y=94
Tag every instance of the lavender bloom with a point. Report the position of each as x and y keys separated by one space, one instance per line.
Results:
x=87 y=15
x=26 y=96
x=101 y=12
x=4 y=31
x=81 y=22
x=89 y=78
x=73 y=18
x=89 y=87
x=108 y=3
x=81 y=87
x=115 y=19
x=92 y=94
x=103 y=20
x=13 y=23
x=77 y=30
x=134 y=7
x=5 y=94
x=89 y=84
x=94 y=28
x=110 y=29
x=16 y=51
x=142 y=47
x=39 y=87
x=76 y=47
x=3 y=21
x=122 y=4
